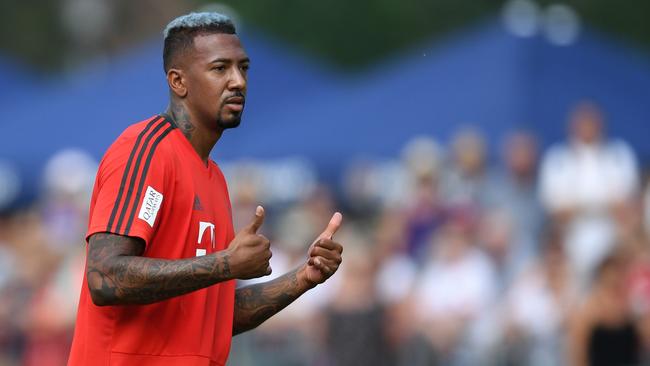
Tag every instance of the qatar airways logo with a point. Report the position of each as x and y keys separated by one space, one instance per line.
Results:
x=150 y=206
x=203 y=228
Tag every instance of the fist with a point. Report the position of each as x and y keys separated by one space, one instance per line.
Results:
x=249 y=252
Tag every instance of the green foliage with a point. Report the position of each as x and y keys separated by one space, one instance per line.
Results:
x=30 y=31
x=354 y=33
x=348 y=33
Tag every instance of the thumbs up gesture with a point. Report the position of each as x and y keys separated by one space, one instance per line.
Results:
x=324 y=255
x=249 y=252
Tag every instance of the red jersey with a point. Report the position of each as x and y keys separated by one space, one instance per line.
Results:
x=153 y=185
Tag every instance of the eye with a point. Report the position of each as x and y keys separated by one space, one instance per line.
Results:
x=244 y=68
x=219 y=68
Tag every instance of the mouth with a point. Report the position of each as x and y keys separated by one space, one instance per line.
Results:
x=234 y=100
x=235 y=104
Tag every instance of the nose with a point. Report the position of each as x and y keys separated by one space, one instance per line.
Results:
x=237 y=80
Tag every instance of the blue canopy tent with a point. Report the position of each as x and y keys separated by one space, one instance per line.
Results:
x=483 y=77
x=596 y=68
x=15 y=77
x=19 y=83
x=430 y=90
x=89 y=109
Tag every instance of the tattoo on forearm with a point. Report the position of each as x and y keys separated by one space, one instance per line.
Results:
x=255 y=304
x=118 y=275
x=182 y=119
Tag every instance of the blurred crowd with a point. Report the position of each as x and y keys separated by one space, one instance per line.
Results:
x=453 y=255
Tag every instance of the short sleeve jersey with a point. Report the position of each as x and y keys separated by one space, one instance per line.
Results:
x=152 y=184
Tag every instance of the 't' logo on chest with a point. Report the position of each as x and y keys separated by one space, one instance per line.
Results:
x=203 y=227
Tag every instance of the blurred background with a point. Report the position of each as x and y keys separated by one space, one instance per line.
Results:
x=490 y=159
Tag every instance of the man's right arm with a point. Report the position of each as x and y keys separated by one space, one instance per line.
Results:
x=117 y=273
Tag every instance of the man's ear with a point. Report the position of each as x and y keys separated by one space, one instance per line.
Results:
x=176 y=81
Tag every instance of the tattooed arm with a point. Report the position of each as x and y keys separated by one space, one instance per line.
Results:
x=255 y=304
x=117 y=273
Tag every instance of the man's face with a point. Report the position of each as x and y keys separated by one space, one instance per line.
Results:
x=217 y=77
x=521 y=154
x=586 y=124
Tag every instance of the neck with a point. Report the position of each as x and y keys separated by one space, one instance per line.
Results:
x=200 y=137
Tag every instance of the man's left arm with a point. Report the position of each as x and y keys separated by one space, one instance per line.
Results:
x=256 y=303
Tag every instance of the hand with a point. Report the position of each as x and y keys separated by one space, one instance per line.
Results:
x=249 y=252
x=324 y=255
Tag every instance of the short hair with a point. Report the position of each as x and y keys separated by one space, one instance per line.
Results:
x=179 y=33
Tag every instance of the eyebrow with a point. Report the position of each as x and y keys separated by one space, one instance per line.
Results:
x=227 y=60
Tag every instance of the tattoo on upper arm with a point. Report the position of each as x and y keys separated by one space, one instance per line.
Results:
x=255 y=304
x=117 y=274
x=102 y=248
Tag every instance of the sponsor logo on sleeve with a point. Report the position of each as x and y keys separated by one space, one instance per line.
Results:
x=150 y=206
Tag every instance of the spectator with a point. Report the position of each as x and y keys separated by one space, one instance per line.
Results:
x=12 y=294
x=513 y=191
x=455 y=287
x=396 y=272
x=423 y=201
x=50 y=332
x=537 y=308
x=355 y=321
x=603 y=330
x=495 y=238
x=424 y=215
x=464 y=184
x=582 y=181
x=395 y=278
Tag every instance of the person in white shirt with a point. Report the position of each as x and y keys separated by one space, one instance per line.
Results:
x=582 y=181
x=457 y=286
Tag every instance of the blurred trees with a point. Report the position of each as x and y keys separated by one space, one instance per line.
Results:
x=350 y=34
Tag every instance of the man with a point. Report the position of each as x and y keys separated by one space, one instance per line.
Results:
x=511 y=198
x=584 y=183
x=162 y=255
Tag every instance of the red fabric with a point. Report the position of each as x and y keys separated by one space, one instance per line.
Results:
x=193 y=329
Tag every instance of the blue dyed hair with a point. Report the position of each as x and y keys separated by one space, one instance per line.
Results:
x=179 y=33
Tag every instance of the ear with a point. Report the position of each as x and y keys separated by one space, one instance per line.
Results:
x=176 y=81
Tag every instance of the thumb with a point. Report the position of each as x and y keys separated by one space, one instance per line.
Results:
x=258 y=220
x=332 y=227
